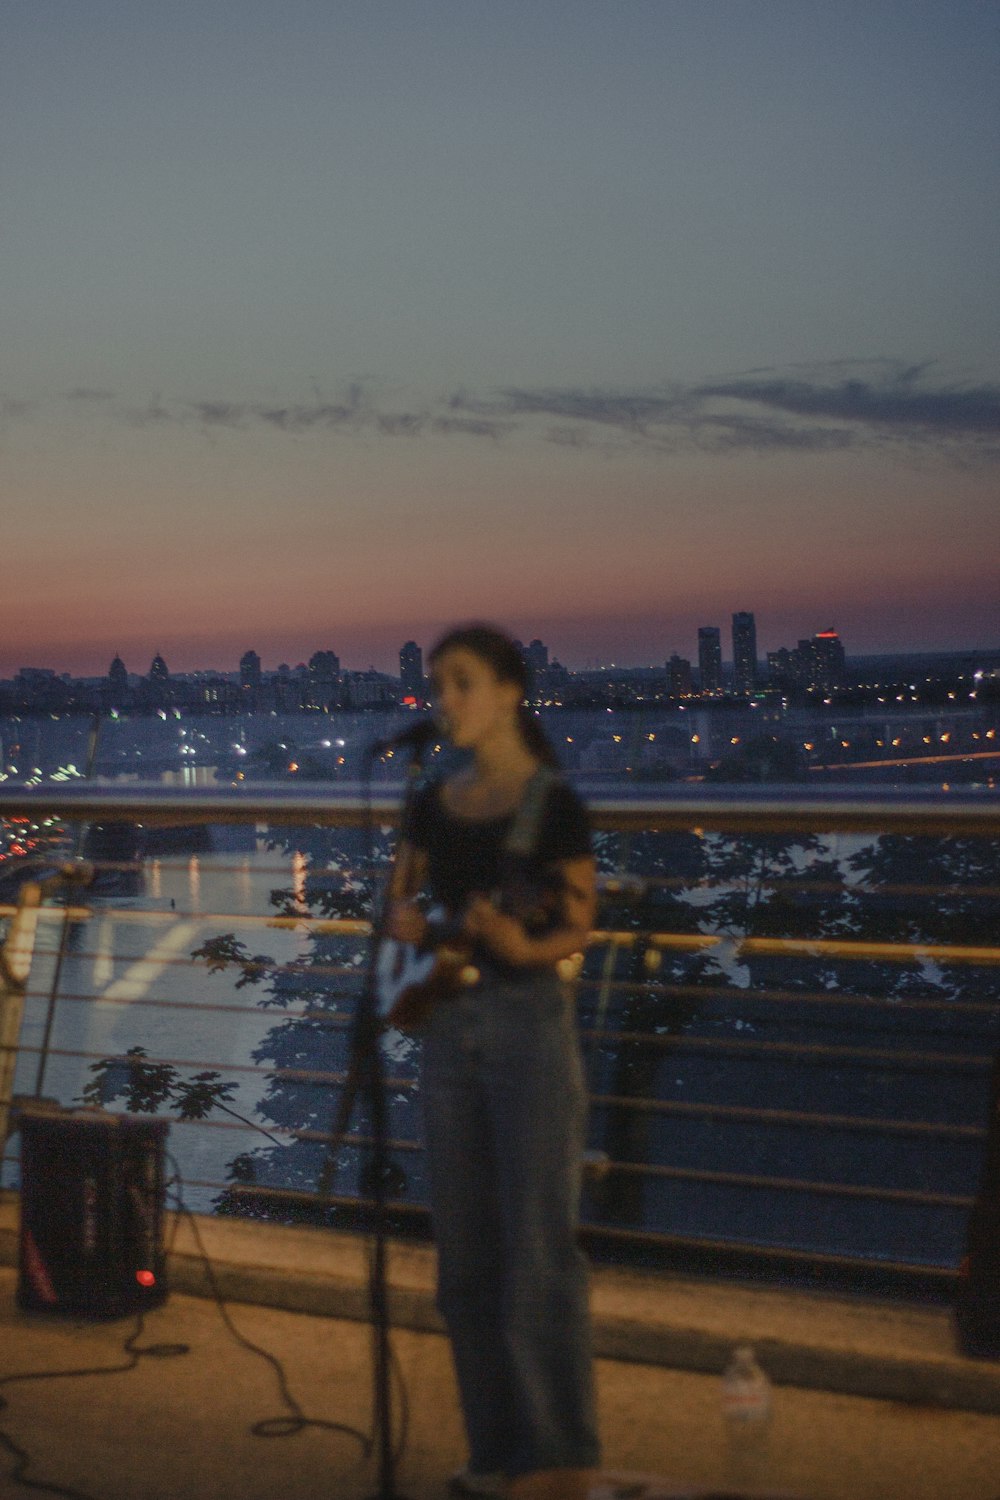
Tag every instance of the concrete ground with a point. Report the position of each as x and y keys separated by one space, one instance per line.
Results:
x=178 y=1427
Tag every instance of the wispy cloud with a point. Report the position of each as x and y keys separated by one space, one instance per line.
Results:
x=765 y=411
x=901 y=404
x=13 y=408
x=155 y=413
x=820 y=408
x=89 y=393
x=307 y=418
x=473 y=426
x=220 y=413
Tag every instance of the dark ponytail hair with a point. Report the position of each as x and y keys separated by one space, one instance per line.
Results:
x=503 y=657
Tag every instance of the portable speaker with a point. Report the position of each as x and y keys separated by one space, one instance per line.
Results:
x=91 y=1235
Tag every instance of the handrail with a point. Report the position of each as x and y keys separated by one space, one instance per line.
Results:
x=770 y=810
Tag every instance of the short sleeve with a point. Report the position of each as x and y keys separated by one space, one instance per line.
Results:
x=565 y=827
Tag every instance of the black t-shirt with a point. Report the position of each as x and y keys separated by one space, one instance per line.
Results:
x=465 y=856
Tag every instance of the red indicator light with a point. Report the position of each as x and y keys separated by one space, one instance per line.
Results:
x=145 y=1278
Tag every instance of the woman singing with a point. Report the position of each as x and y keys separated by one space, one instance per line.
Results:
x=503 y=1089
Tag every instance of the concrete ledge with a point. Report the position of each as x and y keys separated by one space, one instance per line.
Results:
x=859 y=1346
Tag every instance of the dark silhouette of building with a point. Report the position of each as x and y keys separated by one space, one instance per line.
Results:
x=369 y=689
x=783 y=670
x=744 y=652
x=679 y=677
x=41 y=690
x=537 y=655
x=710 y=658
x=411 y=671
x=536 y=661
x=157 y=685
x=118 y=688
x=817 y=663
x=250 y=679
x=829 y=660
x=322 y=685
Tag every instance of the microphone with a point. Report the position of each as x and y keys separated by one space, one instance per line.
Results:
x=415 y=737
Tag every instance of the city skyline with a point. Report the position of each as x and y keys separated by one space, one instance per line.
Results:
x=330 y=326
x=710 y=660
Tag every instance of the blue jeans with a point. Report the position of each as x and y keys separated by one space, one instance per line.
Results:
x=504 y=1106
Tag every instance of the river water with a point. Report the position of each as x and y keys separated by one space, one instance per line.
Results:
x=127 y=980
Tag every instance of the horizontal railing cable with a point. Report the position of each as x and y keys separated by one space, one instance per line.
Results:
x=300 y=1075
x=710 y=1045
x=810 y=1051
x=801 y=1119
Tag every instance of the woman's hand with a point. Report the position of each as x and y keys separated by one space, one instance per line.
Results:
x=406 y=923
x=504 y=936
x=507 y=939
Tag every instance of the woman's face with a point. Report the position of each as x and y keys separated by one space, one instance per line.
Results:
x=470 y=702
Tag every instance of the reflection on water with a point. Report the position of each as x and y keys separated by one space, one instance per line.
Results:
x=189 y=776
x=104 y=966
x=299 y=864
x=128 y=980
x=244 y=884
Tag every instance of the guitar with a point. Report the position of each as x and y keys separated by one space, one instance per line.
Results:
x=411 y=980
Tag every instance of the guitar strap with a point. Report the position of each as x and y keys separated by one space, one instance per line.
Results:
x=522 y=836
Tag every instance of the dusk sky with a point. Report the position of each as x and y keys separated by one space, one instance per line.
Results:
x=326 y=323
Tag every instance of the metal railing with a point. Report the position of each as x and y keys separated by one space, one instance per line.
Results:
x=789 y=1015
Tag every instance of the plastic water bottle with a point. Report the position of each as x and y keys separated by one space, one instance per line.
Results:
x=746 y=1410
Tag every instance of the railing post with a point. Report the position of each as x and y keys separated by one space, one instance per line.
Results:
x=15 y=966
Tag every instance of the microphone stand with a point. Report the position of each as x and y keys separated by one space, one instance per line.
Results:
x=367 y=1071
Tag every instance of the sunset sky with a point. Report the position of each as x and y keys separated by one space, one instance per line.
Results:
x=328 y=322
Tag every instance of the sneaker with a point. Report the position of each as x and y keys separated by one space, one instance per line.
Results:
x=484 y=1486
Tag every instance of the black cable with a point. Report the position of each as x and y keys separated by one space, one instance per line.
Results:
x=135 y=1352
x=21 y=1455
x=266 y=1427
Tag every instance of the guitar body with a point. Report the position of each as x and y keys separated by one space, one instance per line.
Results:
x=409 y=981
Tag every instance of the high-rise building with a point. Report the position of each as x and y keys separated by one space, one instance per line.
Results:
x=815 y=663
x=158 y=670
x=321 y=687
x=411 y=671
x=783 y=669
x=156 y=692
x=251 y=682
x=744 y=652
x=678 y=677
x=118 y=681
x=250 y=671
x=710 y=658
x=325 y=665
x=829 y=659
x=537 y=655
x=536 y=660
